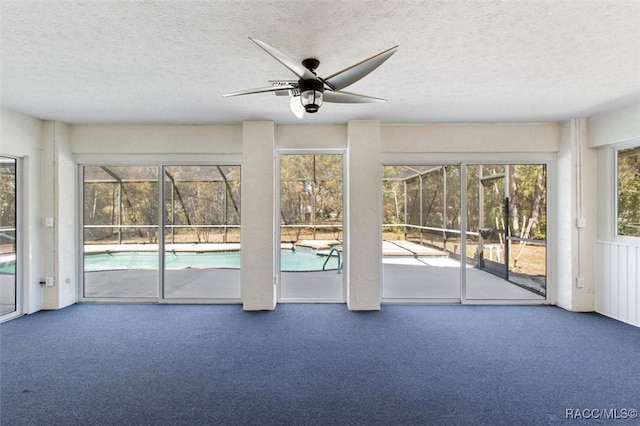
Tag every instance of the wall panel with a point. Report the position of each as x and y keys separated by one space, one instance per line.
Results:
x=618 y=275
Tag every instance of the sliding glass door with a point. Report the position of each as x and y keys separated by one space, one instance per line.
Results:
x=121 y=226
x=421 y=233
x=8 y=236
x=161 y=232
x=202 y=232
x=311 y=212
x=498 y=240
x=507 y=228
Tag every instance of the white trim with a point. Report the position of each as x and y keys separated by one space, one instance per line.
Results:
x=621 y=243
x=430 y=301
x=162 y=230
x=463 y=232
x=21 y=251
x=625 y=239
x=80 y=235
x=192 y=301
x=464 y=160
x=458 y=302
x=439 y=158
x=158 y=159
x=277 y=235
x=144 y=160
x=297 y=300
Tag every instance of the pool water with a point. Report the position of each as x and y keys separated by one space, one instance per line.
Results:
x=7 y=267
x=291 y=261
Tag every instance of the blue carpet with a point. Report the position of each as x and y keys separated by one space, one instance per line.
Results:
x=319 y=364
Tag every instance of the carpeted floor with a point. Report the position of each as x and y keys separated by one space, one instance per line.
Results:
x=95 y=364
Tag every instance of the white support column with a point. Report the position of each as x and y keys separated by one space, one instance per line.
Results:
x=575 y=274
x=364 y=205
x=258 y=221
x=59 y=192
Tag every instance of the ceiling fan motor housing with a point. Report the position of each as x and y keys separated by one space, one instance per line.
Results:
x=311 y=64
x=311 y=94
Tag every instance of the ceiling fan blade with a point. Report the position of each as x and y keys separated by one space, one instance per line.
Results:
x=293 y=66
x=349 y=98
x=260 y=90
x=296 y=107
x=355 y=72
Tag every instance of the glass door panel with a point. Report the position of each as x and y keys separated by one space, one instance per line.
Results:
x=202 y=232
x=421 y=233
x=311 y=214
x=506 y=232
x=8 y=236
x=492 y=217
x=120 y=232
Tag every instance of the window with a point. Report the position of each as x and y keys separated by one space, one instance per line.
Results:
x=497 y=247
x=170 y=238
x=8 y=235
x=628 y=192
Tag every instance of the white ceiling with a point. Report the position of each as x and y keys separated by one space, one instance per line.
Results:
x=106 y=61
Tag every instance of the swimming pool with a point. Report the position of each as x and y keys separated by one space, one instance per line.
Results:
x=298 y=261
x=7 y=267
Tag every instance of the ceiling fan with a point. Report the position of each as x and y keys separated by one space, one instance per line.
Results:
x=310 y=91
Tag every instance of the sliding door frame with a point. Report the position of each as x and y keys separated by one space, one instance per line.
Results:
x=464 y=160
x=21 y=245
x=345 y=212
x=160 y=161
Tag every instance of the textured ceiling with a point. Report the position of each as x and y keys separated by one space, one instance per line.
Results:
x=459 y=61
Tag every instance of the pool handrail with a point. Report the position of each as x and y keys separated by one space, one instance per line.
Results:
x=329 y=257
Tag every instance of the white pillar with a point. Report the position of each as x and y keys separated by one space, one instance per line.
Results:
x=258 y=221
x=576 y=245
x=364 y=206
x=59 y=192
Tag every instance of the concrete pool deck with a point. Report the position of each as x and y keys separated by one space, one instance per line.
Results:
x=410 y=272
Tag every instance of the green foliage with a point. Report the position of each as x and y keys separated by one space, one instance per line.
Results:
x=629 y=192
x=8 y=193
x=440 y=197
x=195 y=196
x=311 y=189
x=7 y=205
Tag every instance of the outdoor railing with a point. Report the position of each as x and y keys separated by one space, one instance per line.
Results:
x=170 y=234
x=498 y=255
x=316 y=227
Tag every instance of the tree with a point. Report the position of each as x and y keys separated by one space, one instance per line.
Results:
x=629 y=192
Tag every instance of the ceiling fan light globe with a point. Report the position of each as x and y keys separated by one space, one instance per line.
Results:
x=311 y=94
x=311 y=100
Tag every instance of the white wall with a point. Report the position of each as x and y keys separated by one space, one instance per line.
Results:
x=615 y=127
x=363 y=242
x=617 y=288
x=300 y=136
x=469 y=138
x=256 y=142
x=60 y=203
x=155 y=139
x=258 y=241
x=576 y=246
x=21 y=137
x=617 y=261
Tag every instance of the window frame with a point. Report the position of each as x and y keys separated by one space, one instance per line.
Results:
x=626 y=239
x=155 y=160
x=20 y=253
